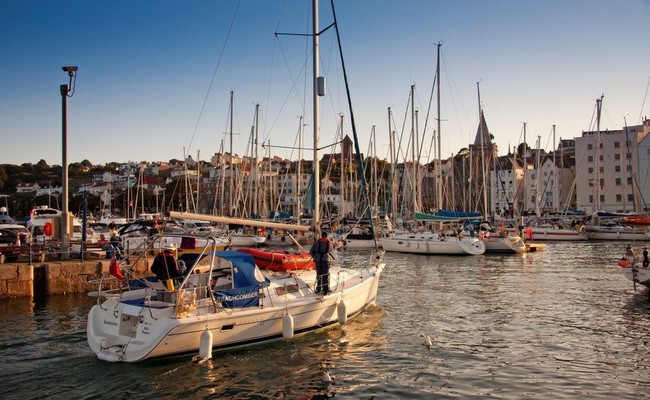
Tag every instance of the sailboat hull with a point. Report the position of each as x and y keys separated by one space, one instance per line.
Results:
x=433 y=243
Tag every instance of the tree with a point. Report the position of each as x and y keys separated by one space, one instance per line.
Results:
x=3 y=176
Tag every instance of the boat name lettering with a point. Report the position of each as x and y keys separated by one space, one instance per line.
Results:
x=243 y=296
x=107 y=322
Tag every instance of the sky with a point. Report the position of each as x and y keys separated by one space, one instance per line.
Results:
x=155 y=77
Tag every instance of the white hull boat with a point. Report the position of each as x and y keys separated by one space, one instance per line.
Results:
x=637 y=275
x=246 y=240
x=617 y=232
x=433 y=243
x=504 y=244
x=225 y=297
x=551 y=233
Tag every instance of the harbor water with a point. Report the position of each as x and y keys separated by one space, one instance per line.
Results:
x=561 y=323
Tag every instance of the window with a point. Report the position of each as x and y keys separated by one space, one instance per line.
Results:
x=591 y=198
x=617 y=168
x=590 y=158
x=601 y=157
x=591 y=170
x=617 y=156
x=601 y=169
x=617 y=145
x=618 y=181
x=628 y=155
x=628 y=143
x=630 y=197
x=619 y=198
x=602 y=198
x=600 y=145
x=590 y=147
x=629 y=181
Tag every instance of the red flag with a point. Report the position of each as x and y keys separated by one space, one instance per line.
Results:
x=114 y=269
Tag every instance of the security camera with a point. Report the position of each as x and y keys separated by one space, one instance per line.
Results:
x=70 y=69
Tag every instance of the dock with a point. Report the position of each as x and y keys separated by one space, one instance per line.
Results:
x=530 y=247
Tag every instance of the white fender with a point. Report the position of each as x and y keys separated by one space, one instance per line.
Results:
x=287 y=326
x=205 y=348
x=342 y=311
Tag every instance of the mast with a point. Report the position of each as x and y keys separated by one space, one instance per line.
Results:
x=413 y=156
x=597 y=158
x=255 y=165
x=483 y=148
x=299 y=173
x=231 y=196
x=438 y=163
x=316 y=55
x=393 y=167
x=525 y=162
x=538 y=177
x=556 y=181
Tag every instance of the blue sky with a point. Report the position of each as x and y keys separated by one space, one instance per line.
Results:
x=144 y=91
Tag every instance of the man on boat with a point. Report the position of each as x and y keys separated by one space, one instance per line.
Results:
x=165 y=266
x=320 y=251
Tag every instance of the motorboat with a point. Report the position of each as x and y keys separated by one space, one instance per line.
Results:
x=223 y=301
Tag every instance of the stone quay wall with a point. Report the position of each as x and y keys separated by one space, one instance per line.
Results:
x=57 y=277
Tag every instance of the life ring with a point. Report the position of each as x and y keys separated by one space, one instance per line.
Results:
x=623 y=263
x=47 y=228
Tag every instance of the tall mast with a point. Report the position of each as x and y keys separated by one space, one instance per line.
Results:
x=597 y=158
x=556 y=179
x=483 y=148
x=231 y=196
x=438 y=163
x=316 y=55
x=525 y=162
x=299 y=173
x=393 y=167
x=256 y=171
x=538 y=175
x=413 y=156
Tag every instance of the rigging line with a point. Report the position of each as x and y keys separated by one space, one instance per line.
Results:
x=214 y=74
x=645 y=96
x=364 y=185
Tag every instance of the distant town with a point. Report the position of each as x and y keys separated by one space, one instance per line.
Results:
x=599 y=170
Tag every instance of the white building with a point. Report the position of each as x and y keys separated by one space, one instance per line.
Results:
x=607 y=169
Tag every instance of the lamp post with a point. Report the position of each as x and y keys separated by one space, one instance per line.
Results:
x=66 y=91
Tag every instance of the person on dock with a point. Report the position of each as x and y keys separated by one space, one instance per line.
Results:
x=320 y=251
x=646 y=262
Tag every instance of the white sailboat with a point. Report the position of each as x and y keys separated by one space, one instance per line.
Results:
x=223 y=300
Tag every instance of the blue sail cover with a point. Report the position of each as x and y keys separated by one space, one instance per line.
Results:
x=247 y=281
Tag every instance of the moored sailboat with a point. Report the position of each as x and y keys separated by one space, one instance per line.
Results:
x=223 y=300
